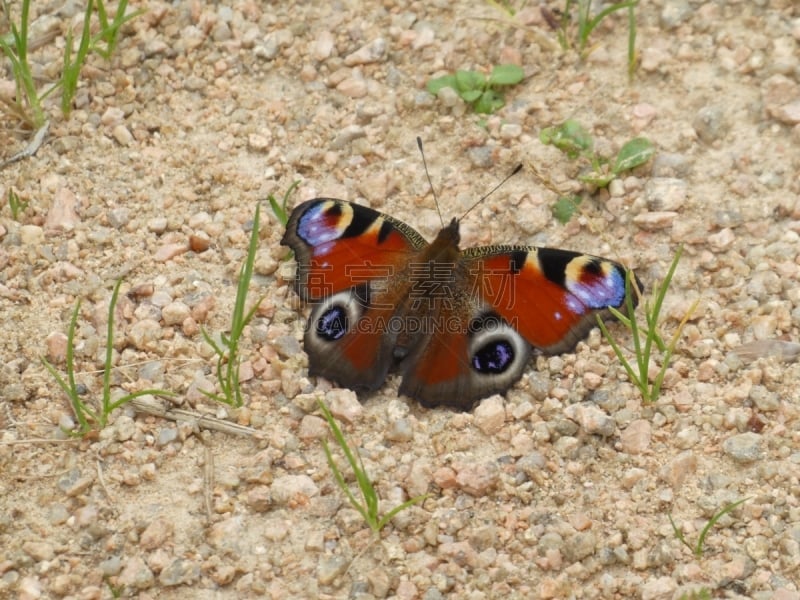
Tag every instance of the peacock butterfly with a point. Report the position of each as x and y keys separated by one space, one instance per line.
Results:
x=457 y=325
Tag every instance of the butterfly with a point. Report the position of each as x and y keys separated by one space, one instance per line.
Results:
x=457 y=325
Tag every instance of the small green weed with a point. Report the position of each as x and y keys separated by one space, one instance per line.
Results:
x=643 y=348
x=699 y=547
x=702 y=594
x=72 y=68
x=227 y=350
x=485 y=95
x=573 y=30
x=280 y=209
x=105 y=42
x=83 y=412
x=16 y=46
x=573 y=140
x=16 y=205
x=369 y=504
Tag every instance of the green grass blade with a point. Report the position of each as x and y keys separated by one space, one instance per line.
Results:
x=631 y=41
x=210 y=341
x=642 y=356
x=679 y=534
x=280 y=209
x=72 y=70
x=109 y=31
x=102 y=15
x=17 y=53
x=128 y=397
x=701 y=541
x=69 y=387
x=588 y=25
x=400 y=507
x=618 y=352
x=337 y=474
x=109 y=351
x=369 y=509
x=79 y=406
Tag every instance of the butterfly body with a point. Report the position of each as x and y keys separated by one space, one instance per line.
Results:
x=457 y=325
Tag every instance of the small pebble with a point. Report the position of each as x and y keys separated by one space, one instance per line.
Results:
x=477 y=479
x=170 y=251
x=744 y=447
x=591 y=419
x=635 y=438
x=344 y=405
x=400 y=430
x=293 y=488
x=167 y=435
x=372 y=52
x=481 y=157
x=490 y=415
x=175 y=313
x=347 y=135
x=135 y=574
x=709 y=123
x=157 y=225
x=665 y=194
x=312 y=428
x=330 y=568
x=678 y=469
x=156 y=534
x=122 y=135
x=180 y=571
x=62 y=215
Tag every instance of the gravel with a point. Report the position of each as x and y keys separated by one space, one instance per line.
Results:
x=560 y=489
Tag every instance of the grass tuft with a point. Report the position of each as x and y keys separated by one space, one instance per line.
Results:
x=368 y=506
x=646 y=336
x=85 y=414
x=576 y=24
x=16 y=205
x=699 y=547
x=16 y=46
x=279 y=209
x=227 y=350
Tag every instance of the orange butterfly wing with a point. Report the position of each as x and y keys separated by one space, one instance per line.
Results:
x=347 y=255
x=549 y=296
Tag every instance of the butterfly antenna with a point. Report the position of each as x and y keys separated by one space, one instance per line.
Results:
x=430 y=183
x=516 y=170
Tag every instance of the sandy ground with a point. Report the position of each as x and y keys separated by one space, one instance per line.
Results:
x=561 y=489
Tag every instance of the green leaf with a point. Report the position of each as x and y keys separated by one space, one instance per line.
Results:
x=570 y=137
x=506 y=75
x=489 y=102
x=471 y=95
x=565 y=207
x=597 y=178
x=469 y=80
x=434 y=85
x=634 y=153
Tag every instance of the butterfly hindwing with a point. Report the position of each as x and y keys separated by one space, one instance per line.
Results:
x=549 y=296
x=477 y=355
